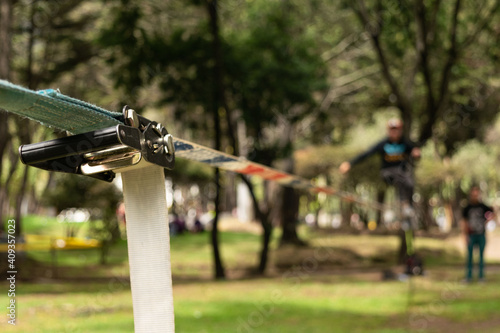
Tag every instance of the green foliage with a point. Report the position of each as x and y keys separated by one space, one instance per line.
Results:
x=300 y=74
x=186 y=172
x=60 y=35
x=271 y=69
x=435 y=61
x=71 y=191
x=84 y=192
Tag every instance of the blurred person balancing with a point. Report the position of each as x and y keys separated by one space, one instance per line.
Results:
x=396 y=170
x=395 y=152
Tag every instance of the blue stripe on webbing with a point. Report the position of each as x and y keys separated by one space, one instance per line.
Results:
x=54 y=109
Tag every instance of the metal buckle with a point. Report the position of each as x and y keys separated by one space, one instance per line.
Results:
x=101 y=153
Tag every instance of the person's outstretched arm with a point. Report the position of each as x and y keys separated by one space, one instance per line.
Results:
x=346 y=166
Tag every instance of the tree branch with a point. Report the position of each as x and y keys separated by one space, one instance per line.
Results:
x=431 y=31
x=480 y=27
x=423 y=51
x=426 y=131
x=374 y=32
x=452 y=55
x=340 y=48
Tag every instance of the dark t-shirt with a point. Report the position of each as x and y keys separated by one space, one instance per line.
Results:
x=394 y=154
x=474 y=214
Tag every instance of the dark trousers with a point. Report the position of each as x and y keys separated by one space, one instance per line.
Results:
x=480 y=242
x=402 y=179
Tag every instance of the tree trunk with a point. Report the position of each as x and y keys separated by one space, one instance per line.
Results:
x=267 y=226
x=427 y=219
x=264 y=252
x=220 y=96
x=19 y=201
x=380 y=199
x=5 y=55
x=346 y=210
x=289 y=217
x=289 y=211
x=218 y=265
x=229 y=192
x=5 y=37
x=403 y=247
x=216 y=103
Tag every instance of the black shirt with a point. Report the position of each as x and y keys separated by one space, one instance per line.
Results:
x=474 y=214
x=394 y=154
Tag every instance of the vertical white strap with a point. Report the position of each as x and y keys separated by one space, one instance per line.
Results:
x=149 y=249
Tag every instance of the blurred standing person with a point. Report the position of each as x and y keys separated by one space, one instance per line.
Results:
x=475 y=216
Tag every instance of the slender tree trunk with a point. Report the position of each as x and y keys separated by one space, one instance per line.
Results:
x=264 y=252
x=24 y=133
x=403 y=248
x=23 y=124
x=346 y=209
x=289 y=217
x=289 y=211
x=5 y=57
x=31 y=42
x=263 y=215
x=216 y=103
x=427 y=219
x=218 y=265
x=5 y=37
x=380 y=200
x=24 y=128
x=19 y=201
x=267 y=227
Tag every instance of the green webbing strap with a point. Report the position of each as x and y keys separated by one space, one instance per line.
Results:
x=53 y=109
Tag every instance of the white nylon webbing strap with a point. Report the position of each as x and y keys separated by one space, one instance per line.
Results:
x=149 y=249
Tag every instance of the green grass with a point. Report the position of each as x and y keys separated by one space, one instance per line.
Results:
x=328 y=298
x=278 y=304
x=43 y=225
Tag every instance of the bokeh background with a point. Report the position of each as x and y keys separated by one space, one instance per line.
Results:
x=297 y=85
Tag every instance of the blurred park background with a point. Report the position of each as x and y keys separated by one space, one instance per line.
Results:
x=297 y=85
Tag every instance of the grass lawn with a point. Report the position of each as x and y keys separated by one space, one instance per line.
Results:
x=326 y=295
x=277 y=304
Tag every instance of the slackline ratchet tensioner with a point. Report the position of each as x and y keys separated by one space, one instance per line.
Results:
x=103 y=152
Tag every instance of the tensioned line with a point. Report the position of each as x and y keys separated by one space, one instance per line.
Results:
x=53 y=109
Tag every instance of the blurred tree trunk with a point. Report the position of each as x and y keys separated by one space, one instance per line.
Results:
x=5 y=58
x=457 y=210
x=289 y=210
x=427 y=220
x=217 y=97
x=262 y=213
x=230 y=192
x=5 y=37
x=289 y=217
x=403 y=248
x=24 y=126
x=19 y=200
x=346 y=211
x=380 y=199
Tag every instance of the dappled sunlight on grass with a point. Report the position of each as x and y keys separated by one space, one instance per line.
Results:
x=278 y=304
x=335 y=284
